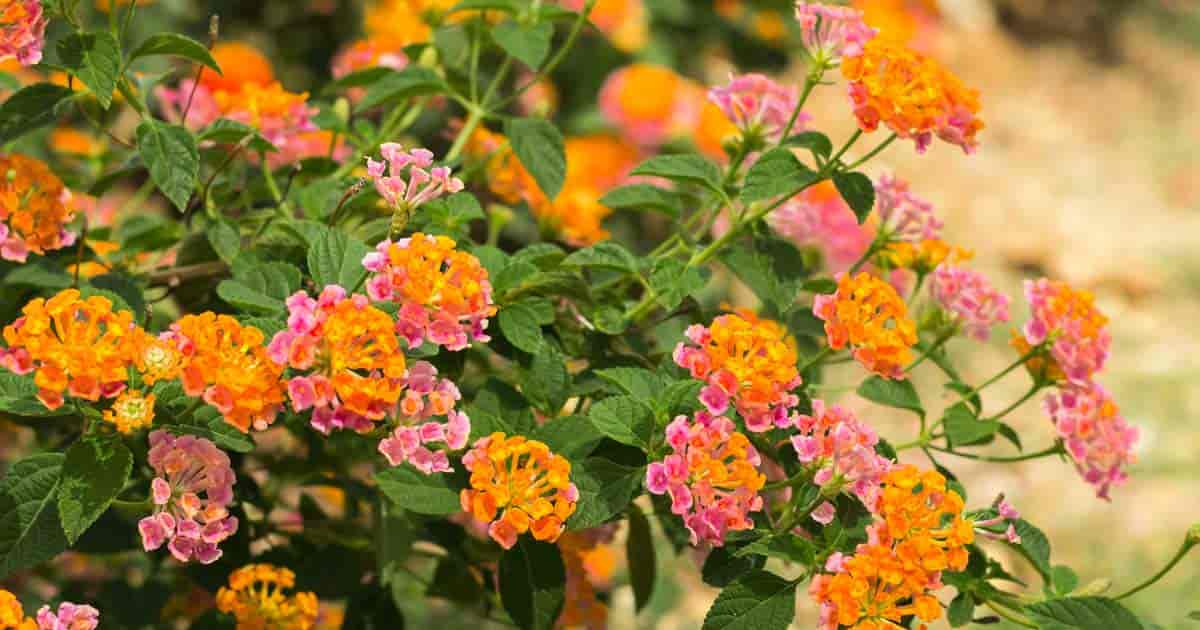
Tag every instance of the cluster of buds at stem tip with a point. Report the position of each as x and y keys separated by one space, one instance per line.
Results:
x=1005 y=512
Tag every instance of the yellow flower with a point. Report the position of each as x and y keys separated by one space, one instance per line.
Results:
x=256 y=598
x=132 y=410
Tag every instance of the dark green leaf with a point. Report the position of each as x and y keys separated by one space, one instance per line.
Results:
x=532 y=583
x=815 y=141
x=639 y=552
x=30 y=108
x=176 y=45
x=547 y=381
x=93 y=474
x=528 y=43
x=1063 y=579
x=413 y=80
x=225 y=240
x=688 y=168
x=961 y=610
x=18 y=396
x=858 y=191
x=727 y=563
x=226 y=131
x=673 y=281
x=964 y=429
x=170 y=153
x=892 y=393
x=785 y=547
x=539 y=146
x=605 y=490
x=757 y=601
x=623 y=419
x=644 y=385
x=250 y=300
x=1082 y=613
x=30 y=532
x=679 y=397
x=777 y=172
x=573 y=437
x=95 y=59
x=643 y=197
x=606 y=255
x=423 y=494
x=209 y=424
x=337 y=259
x=519 y=324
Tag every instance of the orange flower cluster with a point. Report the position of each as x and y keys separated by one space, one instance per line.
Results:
x=906 y=22
x=76 y=345
x=227 y=364
x=867 y=314
x=518 y=486
x=923 y=257
x=132 y=410
x=912 y=95
x=12 y=615
x=595 y=164
x=256 y=598
x=920 y=532
x=35 y=208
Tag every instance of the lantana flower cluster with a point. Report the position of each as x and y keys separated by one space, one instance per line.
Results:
x=866 y=314
x=69 y=616
x=1068 y=321
x=843 y=448
x=970 y=298
x=257 y=597
x=191 y=493
x=1096 y=435
x=35 y=208
x=711 y=476
x=517 y=485
x=758 y=106
x=408 y=179
x=747 y=362
x=831 y=32
x=444 y=293
x=416 y=436
x=819 y=217
x=22 y=31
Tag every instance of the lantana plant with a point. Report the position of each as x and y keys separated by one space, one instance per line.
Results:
x=457 y=317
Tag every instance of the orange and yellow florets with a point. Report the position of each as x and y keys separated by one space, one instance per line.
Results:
x=256 y=598
x=35 y=208
x=868 y=315
x=227 y=364
x=922 y=257
x=132 y=410
x=518 y=486
x=76 y=345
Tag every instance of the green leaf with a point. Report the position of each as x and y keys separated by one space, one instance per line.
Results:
x=18 y=396
x=643 y=197
x=423 y=494
x=573 y=437
x=532 y=583
x=507 y=6
x=725 y=564
x=413 y=80
x=858 y=191
x=673 y=281
x=30 y=532
x=679 y=397
x=259 y=288
x=816 y=142
x=93 y=474
x=961 y=610
x=785 y=547
x=605 y=490
x=95 y=59
x=225 y=240
x=892 y=393
x=644 y=385
x=30 y=108
x=250 y=300
x=606 y=255
x=1082 y=613
x=394 y=536
x=964 y=429
x=1063 y=579
x=176 y=45
x=547 y=381
x=226 y=131
x=519 y=325
x=773 y=269
x=539 y=146
x=44 y=274
x=688 y=168
x=623 y=419
x=757 y=601
x=170 y=153
x=639 y=552
x=530 y=43
x=337 y=259
x=208 y=424
x=777 y=172
x=1034 y=545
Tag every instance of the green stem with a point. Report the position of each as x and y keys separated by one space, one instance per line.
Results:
x=846 y=147
x=1018 y=363
x=269 y=176
x=1010 y=615
x=810 y=82
x=862 y=260
x=882 y=145
x=473 y=120
x=1007 y=410
x=938 y=343
x=1051 y=450
x=1179 y=555
x=786 y=483
x=816 y=359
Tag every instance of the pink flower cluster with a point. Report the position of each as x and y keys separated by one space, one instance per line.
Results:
x=904 y=216
x=819 y=217
x=968 y=295
x=711 y=477
x=188 y=467
x=844 y=447
x=25 y=36
x=422 y=183
x=757 y=105
x=1077 y=331
x=69 y=617
x=1005 y=513
x=425 y=396
x=1096 y=435
x=832 y=32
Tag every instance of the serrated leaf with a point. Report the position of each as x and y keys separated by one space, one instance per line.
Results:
x=573 y=437
x=29 y=526
x=605 y=490
x=225 y=240
x=858 y=191
x=176 y=45
x=250 y=300
x=416 y=492
x=31 y=108
x=539 y=146
x=45 y=274
x=688 y=168
x=639 y=553
x=337 y=259
x=961 y=610
x=964 y=429
x=892 y=393
x=208 y=424
x=519 y=325
x=623 y=419
x=777 y=172
x=816 y=142
x=530 y=43
x=532 y=583
x=757 y=601
x=679 y=397
x=95 y=59
x=643 y=197
x=413 y=80
x=672 y=280
x=93 y=474
x=18 y=396
x=170 y=153
x=726 y=564
x=785 y=547
x=644 y=385
x=606 y=255
x=547 y=381
x=1082 y=613
x=226 y=131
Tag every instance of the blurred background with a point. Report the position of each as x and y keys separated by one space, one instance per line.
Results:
x=1088 y=171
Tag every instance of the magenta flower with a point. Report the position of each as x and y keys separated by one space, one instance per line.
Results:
x=406 y=180
x=69 y=617
x=1005 y=513
x=757 y=105
x=970 y=298
x=904 y=216
x=23 y=32
x=426 y=396
x=1075 y=329
x=193 y=487
x=844 y=448
x=1096 y=436
x=832 y=32
x=820 y=218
